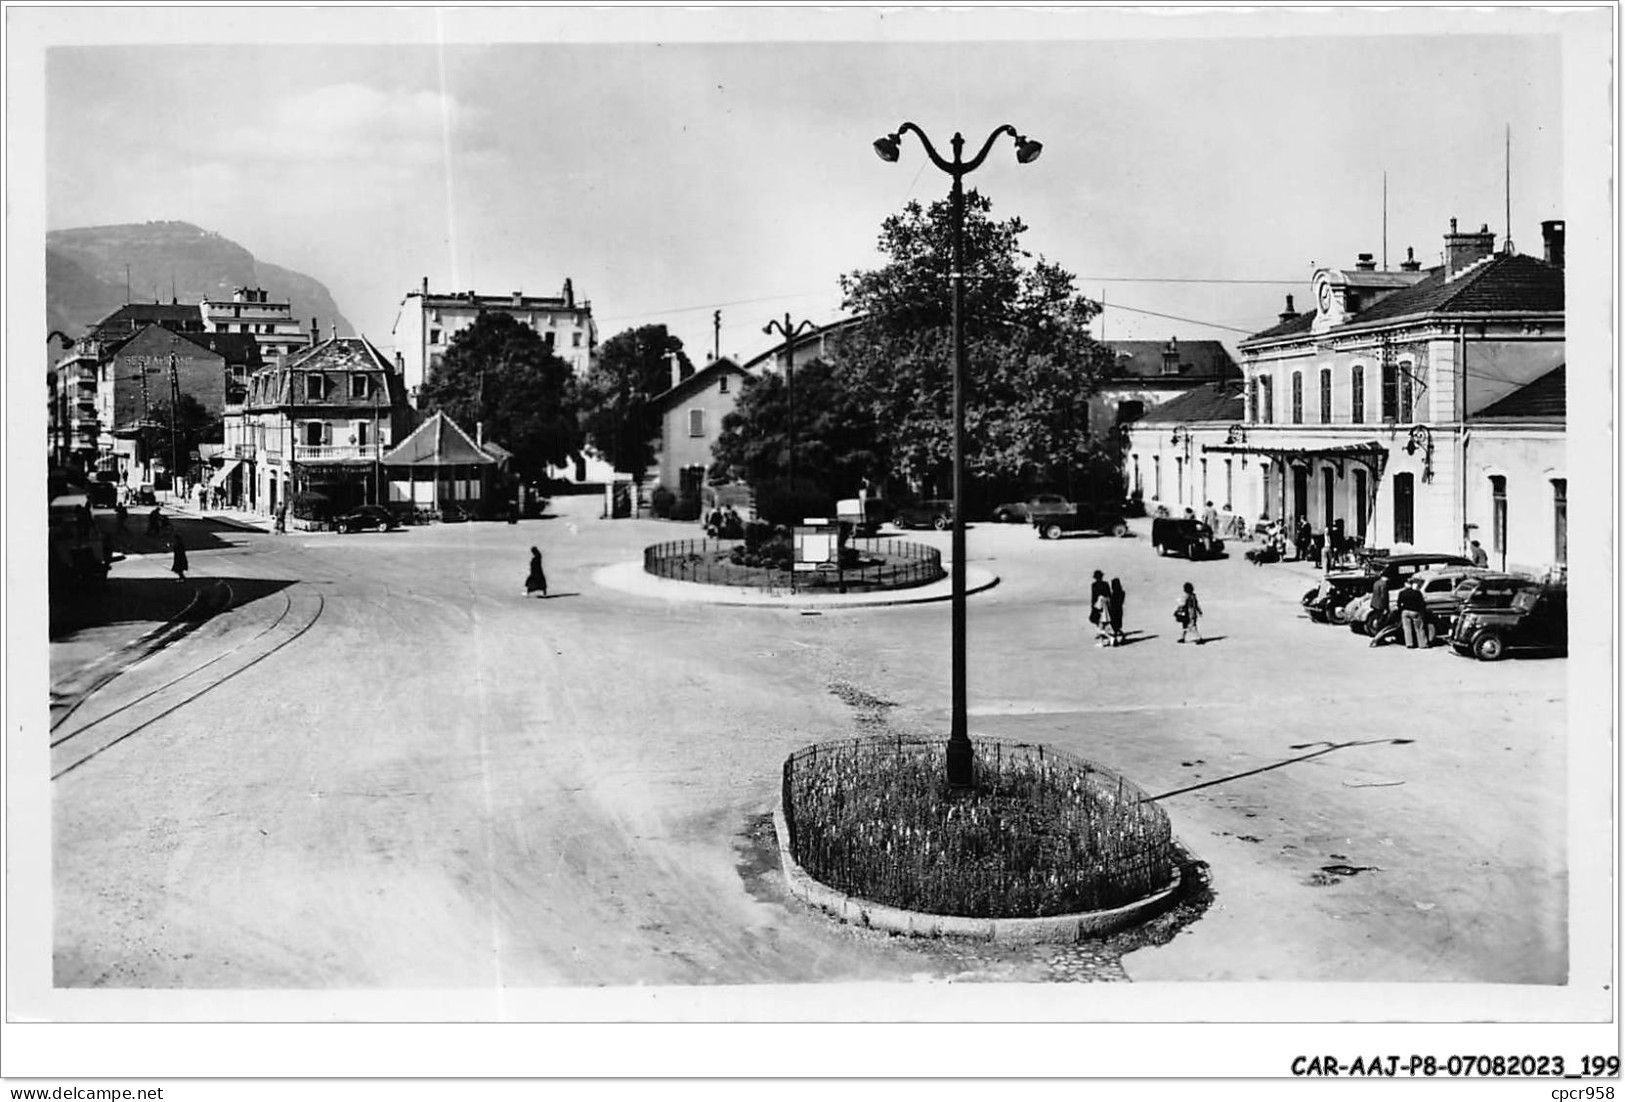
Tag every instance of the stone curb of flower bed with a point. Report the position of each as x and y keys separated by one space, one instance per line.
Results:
x=862 y=912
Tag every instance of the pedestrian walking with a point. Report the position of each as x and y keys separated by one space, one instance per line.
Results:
x=1413 y=611
x=1210 y=517
x=1118 y=597
x=1481 y=557
x=1099 y=599
x=536 y=580
x=1189 y=614
x=178 y=562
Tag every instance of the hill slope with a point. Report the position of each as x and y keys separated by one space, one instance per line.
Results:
x=85 y=274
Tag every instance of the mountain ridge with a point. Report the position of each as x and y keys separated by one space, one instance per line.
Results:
x=90 y=271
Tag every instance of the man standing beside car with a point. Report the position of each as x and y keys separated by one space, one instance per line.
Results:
x=1413 y=614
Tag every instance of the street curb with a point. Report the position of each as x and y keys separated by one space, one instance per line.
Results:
x=640 y=583
x=1008 y=931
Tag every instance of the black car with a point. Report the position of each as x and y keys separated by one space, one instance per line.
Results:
x=1328 y=602
x=936 y=513
x=1080 y=518
x=1503 y=615
x=367 y=517
x=1185 y=536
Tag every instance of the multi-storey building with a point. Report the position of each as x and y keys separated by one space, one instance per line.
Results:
x=150 y=368
x=322 y=420
x=1143 y=375
x=1385 y=409
x=250 y=311
x=428 y=321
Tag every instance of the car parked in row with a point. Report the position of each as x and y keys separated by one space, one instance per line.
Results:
x=1443 y=588
x=1328 y=602
x=1512 y=614
x=1185 y=536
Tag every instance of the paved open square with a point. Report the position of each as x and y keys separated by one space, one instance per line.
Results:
x=387 y=767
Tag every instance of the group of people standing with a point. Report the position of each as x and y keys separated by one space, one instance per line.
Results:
x=1106 y=601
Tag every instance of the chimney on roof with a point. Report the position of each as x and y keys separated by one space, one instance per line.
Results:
x=676 y=368
x=518 y=297
x=1365 y=263
x=1289 y=313
x=1551 y=233
x=479 y=434
x=1410 y=263
x=425 y=285
x=333 y=331
x=569 y=294
x=1463 y=249
x=1170 y=357
x=315 y=330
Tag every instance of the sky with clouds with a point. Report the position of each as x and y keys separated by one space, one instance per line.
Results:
x=673 y=163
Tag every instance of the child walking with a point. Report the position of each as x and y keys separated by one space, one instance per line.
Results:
x=1190 y=614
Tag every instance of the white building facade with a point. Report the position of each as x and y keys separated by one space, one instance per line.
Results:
x=427 y=322
x=1362 y=413
x=251 y=311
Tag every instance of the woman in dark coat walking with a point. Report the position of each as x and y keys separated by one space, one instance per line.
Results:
x=535 y=580
x=178 y=562
x=1116 y=601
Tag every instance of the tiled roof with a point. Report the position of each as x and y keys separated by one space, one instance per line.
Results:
x=133 y=315
x=1299 y=324
x=1197 y=359
x=1221 y=401
x=697 y=381
x=1513 y=284
x=1509 y=284
x=237 y=348
x=438 y=442
x=1545 y=399
x=341 y=354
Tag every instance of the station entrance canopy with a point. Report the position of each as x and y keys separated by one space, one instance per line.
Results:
x=1371 y=453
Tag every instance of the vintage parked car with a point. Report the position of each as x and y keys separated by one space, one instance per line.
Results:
x=1328 y=602
x=1503 y=615
x=936 y=513
x=1185 y=536
x=1025 y=512
x=367 y=517
x=1081 y=518
x=1444 y=589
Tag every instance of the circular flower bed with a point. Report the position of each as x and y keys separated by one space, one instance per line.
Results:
x=1042 y=833
x=866 y=565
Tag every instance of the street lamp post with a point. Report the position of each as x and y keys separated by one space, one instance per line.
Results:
x=961 y=765
x=790 y=332
x=1182 y=435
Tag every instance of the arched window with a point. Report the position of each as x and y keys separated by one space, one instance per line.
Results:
x=1357 y=394
x=1267 y=396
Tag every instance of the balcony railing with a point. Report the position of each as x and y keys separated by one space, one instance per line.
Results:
x=315 y=453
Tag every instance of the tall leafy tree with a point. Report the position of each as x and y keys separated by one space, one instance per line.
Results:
x=836 y=445
x=499 y=373
x=618 y=414
x=183 y=429
x=1031 y=363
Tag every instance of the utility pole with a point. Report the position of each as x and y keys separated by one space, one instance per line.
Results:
x=716 y=334
x=174 y=410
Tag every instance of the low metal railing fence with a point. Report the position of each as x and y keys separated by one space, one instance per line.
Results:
x=882 y=564
x=1043 y=832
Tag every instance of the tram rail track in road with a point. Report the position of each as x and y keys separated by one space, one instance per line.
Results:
x=70 y=751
